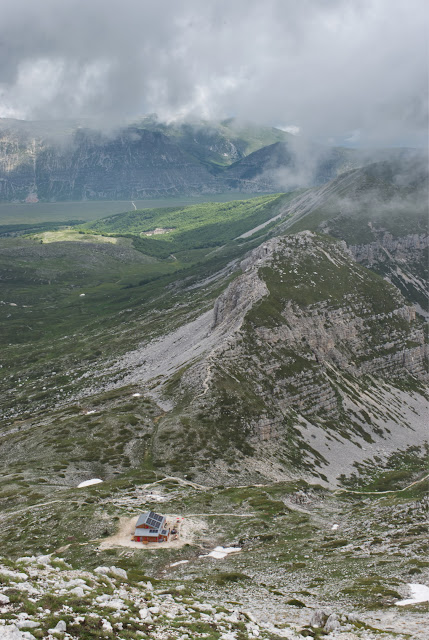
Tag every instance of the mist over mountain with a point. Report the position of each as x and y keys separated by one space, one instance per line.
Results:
x=342 y=72
x=60 y=162
x=213 y=320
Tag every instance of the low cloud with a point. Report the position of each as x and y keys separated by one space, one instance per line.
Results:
x=340 y=71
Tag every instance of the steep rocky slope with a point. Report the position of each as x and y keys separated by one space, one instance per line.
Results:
x=305 y=360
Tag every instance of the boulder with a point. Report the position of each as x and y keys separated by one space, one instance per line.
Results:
x=332 y=623
x=318 y=619
x=118 y=572
x=60 y=627
x=107 y=626
x=10 y=632
x=13 y=575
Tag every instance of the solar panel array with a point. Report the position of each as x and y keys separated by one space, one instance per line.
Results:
x=154 y=520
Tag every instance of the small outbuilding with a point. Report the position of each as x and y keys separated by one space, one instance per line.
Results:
x=151 y=527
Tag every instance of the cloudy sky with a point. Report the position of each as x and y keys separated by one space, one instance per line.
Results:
x=349 y=71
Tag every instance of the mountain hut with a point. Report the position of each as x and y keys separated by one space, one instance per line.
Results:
x=151 y=527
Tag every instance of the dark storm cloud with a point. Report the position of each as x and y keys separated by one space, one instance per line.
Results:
x=336 y=69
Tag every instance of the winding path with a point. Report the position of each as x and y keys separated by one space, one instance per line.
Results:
x=380 y=493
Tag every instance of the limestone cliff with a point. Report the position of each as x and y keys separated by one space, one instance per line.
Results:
x=320 y=355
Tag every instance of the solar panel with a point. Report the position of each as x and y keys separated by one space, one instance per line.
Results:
x=155 y=516
x=151 y=522
x=154 y=520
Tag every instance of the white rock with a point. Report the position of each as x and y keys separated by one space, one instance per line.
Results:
x=27 y=559
x=77 y=582
x=13 y=575
x=318 y=619
x=4 y=599
x=332 y=623
x=253 y=629
x=106 y=625
x=60 y=627
x=154 y=609
x=10 y=632
x=202 y=606
x=143 y=613
x=118 y=572
x=103 y=598
x=148 y=585
x=78 y=591
x=26 y=586
x=116 y=603
x=43 y=559
x=103 y=571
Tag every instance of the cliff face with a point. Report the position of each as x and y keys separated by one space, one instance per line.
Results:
x=320 y=343
x=403 y=261
x=17 y=167
x=41 y=161
x=134 y=164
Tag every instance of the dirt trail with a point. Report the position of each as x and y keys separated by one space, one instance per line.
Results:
x=33 y=506
x=381 y=493
x=234 y=515
x=179 y=481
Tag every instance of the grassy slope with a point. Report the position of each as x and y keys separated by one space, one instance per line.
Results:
x=187 y=228
x=47 y=325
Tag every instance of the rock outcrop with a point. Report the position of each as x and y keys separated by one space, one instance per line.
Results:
x=306 y=339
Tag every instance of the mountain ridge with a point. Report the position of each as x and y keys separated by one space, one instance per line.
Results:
x=150 y=159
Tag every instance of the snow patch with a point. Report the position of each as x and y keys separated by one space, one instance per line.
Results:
x=419 y=593
x=221 y=552
x=174 y=564
x=88 y=483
